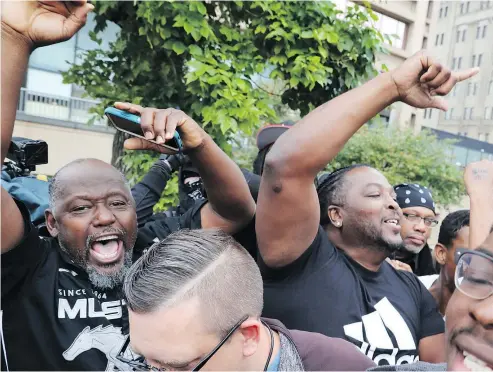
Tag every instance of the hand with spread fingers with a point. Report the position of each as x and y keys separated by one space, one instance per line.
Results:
x=160 y=125
x=421 y=81
x=44 y=22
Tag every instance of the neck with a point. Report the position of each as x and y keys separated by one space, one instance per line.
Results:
x=444 y=292
x=369 y=257
x=264 y=349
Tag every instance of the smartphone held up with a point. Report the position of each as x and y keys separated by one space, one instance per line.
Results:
x=130 y=124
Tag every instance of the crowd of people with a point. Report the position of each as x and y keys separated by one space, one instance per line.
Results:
x=276 y=270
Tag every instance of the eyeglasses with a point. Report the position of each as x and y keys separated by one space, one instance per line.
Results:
x=139 y=364
x=474 y=273
x=414 y=218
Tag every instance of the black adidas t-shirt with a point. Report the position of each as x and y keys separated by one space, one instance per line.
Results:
x=53 y=318
x=385 y=313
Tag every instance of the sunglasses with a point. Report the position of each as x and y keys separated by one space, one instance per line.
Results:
x=139 y=364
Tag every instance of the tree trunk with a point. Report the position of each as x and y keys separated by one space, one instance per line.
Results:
x=116 y=158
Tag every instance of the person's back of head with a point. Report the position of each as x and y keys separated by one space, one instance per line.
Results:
x=187 y=293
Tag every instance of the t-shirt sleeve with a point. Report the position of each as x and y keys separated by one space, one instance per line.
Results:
x=431 y=321
x=20 y=263
x=317 y=254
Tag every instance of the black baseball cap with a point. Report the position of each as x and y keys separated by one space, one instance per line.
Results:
x=270 y=133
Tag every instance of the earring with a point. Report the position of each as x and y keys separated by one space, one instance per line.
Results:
x=338 y=224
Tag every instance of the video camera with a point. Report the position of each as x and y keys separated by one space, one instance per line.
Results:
x=24 y=154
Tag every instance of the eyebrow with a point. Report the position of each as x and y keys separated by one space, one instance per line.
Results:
x=174 y=363
x=88 y=197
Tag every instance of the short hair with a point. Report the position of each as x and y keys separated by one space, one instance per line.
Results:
x=55 y=188
x=451 y=226
x=330 y=190
x=207 y=264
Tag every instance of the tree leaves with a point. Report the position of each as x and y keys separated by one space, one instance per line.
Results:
x=207 y=58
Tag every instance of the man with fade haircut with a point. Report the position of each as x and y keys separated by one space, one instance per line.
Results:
x=195 y=301
x=418 y=209
x=62 y=307
x=323 y=250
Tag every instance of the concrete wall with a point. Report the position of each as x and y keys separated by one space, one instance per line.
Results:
x=66 y=144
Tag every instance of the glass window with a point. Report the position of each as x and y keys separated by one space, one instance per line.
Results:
x=457 y=36
x=453 y=63
x=464 y=35
x=47 y=82
x=393 y=28
x=473 y=60
x=487 y=112
x=459 y=63
x=484 y=32
x=473 y=155
x=480 y=58
x=441 y=39
x=460 y=154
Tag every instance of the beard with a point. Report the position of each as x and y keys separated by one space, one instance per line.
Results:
x=113 y=279
x=372 y=237
x=106 y=280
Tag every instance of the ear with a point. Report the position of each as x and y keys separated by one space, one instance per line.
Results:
x=251 y=330
x=335 y=215
x=441 y=254
x=51 y=223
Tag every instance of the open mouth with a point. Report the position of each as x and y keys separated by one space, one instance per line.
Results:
x=107 y=249
x=392 y=221
x=473 y=363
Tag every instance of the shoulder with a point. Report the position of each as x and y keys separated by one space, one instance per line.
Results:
x=320 y=353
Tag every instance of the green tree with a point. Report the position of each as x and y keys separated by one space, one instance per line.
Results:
x=404 y=157
x=207 y=58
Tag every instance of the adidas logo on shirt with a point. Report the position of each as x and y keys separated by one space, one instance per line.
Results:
x=374 y=336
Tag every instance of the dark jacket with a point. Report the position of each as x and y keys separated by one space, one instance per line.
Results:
x=322 y=353
x=421 y=263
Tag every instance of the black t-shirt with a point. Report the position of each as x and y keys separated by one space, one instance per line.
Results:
x=385 y=313
x=53 y=318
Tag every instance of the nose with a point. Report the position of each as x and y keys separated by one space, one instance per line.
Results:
x=392 y=204
x=482 y=312
x=420 y=226
x=104 y=216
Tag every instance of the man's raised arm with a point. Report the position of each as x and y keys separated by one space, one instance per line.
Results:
x=288 y=211
x=230 y=205
x=25 y=26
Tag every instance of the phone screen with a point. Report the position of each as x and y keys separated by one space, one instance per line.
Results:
x=132 y=127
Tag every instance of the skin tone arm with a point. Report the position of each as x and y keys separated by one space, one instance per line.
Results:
x=25 y=26
x=478 y=178
x=287 y=209
x=230 y=205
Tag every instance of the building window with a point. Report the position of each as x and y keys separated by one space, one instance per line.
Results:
x=462 y=8
x=480 y=136
x=427 y=113
x=449 y=114
x=473 y=60
x=485 y=27
x=468 y=112
x=457 y=36
x=459 y=63
x=487 y=137
x=446 y=11
x=453 y=64
x=469 y=89
x=490 y=88
x=441 y=39
x=454 y=91
x=425 y=42
x=467 y=7
x=464 y=35
x=393 y=28
x=488 y=112
x=441 y=12
x=480 y=58
x=436 y=39
x=475 y=89
x=478 y=32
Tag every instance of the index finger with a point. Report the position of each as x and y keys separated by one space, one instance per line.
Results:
x=130 y=107
x=466 y=74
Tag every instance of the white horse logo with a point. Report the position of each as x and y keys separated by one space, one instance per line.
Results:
x=109 y=340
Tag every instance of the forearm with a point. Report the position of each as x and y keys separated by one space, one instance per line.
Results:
x=225 y=185
x=481 y=220
x=15 y=55
x=315 y=140
x=147 y=192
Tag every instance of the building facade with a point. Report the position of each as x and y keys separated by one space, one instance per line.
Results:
x=462 y=37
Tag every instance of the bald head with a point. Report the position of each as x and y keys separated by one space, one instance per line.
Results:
x=83 y=173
